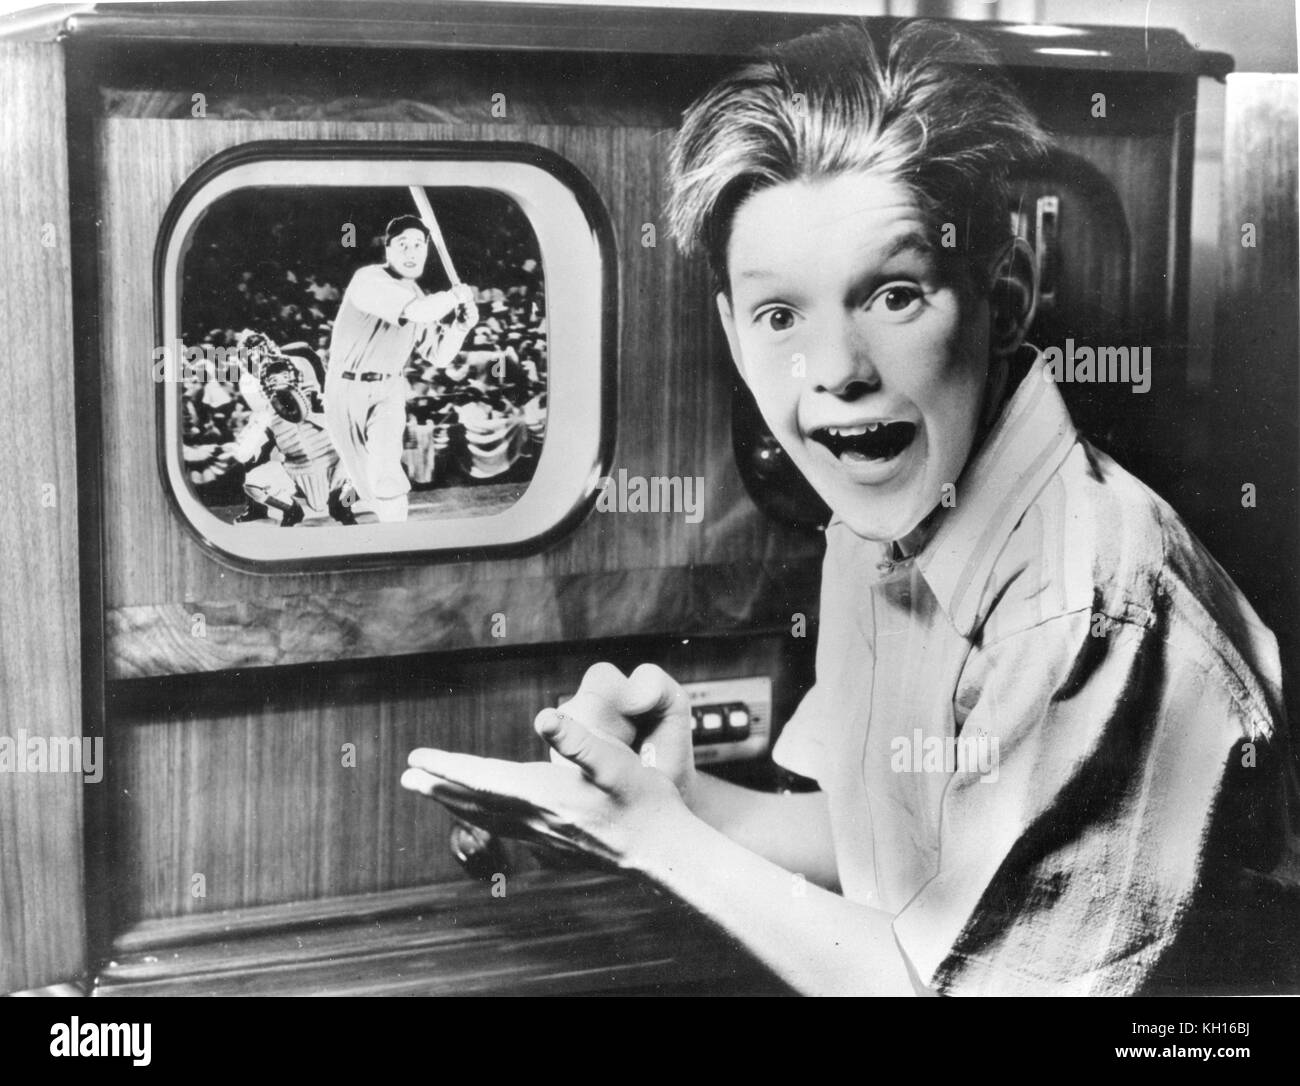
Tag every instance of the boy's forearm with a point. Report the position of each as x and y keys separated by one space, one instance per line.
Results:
x=816 y=941
x=791 y=830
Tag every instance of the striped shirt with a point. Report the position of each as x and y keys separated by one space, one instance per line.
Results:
x=369 y=335
x=1052 y=738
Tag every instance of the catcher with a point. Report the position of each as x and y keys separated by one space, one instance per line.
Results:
x=285 y=394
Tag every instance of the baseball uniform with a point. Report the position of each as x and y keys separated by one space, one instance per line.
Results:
x=365 y=387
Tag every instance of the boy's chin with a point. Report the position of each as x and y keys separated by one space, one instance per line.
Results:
x=881 y=522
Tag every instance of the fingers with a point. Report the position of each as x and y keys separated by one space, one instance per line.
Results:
x=502 y=815
x=599 y=715
x=489 y=776
x=602 y=761
x=604 y=680
x=651 y=691
x=481 y=790
x=417 y=780
x=457 y=799
x=596 y=703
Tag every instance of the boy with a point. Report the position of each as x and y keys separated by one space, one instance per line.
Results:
x=1046 y=726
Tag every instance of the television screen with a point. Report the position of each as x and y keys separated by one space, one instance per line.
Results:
x=376 y=357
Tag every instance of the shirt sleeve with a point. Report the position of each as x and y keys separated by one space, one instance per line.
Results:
x=800 y=748
x=1072 y=868
x=377 y=293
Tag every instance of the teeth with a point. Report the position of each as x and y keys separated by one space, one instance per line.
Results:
x=854 y=431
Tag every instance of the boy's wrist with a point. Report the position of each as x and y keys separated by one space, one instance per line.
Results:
x=661 y=855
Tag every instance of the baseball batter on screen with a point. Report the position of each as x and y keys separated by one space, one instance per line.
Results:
x=386 y=317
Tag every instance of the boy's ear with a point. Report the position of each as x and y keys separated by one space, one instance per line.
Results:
x=1013 y=296
x=729 y=330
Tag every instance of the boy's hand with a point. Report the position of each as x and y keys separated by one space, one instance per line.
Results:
x=595 y=705
x=599 y=800
x=646 y=711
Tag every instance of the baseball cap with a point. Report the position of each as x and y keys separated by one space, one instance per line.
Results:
x=404 y=222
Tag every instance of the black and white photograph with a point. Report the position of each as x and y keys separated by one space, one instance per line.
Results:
x=470 y=408
x=707 y=498
x=333 y=356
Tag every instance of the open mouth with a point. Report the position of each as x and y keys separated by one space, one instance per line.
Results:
x=869 y=441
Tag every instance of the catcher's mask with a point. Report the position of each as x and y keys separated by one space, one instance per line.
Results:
x=282 y=383
x=256 y=349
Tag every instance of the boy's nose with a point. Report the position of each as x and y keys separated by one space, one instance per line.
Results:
x=843 y=365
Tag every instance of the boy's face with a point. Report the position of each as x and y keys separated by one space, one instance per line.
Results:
x=866 y=365
x=407 y=253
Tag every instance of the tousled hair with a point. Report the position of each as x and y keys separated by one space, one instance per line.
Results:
x=928 y=106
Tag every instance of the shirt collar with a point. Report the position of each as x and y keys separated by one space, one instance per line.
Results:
x=1028 y=442
x=903 y=550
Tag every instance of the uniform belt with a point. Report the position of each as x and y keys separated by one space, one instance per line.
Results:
x=350 y=376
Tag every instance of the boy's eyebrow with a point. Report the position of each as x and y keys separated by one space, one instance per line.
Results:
x=911 y=241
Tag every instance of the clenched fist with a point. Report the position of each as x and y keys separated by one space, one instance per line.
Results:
x=647 y=711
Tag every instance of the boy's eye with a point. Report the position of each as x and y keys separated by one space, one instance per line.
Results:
x=900 y=299
x=778 y=319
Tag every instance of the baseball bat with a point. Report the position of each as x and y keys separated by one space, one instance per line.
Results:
x=425 y=209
